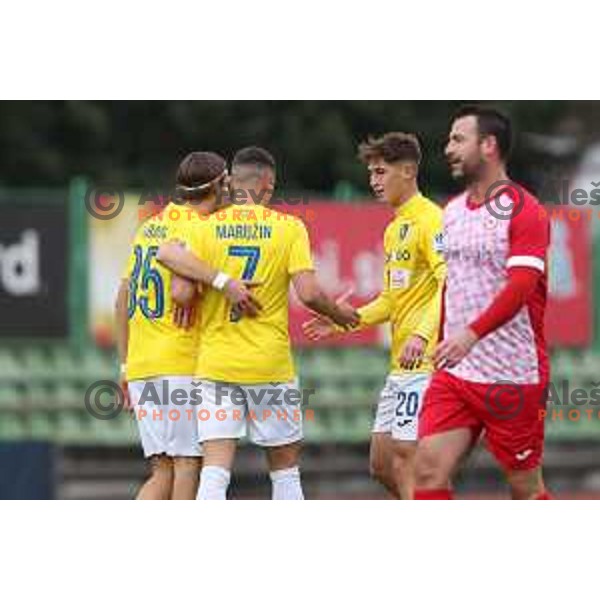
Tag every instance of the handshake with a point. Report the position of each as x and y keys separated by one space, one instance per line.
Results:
x=321 y=326
x=410 y=356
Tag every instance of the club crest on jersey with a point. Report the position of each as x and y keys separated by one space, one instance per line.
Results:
x=403 y=231
x=155 y=231
x=438 y=243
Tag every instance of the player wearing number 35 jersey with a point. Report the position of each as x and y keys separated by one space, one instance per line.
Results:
x=158 y=343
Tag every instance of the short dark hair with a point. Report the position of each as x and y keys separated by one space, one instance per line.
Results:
x=254 y=156
x=490 y=122
x=391 y=147
x=196 y=172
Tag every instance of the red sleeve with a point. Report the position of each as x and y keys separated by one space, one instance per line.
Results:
x=529 y=236
x=521 y=284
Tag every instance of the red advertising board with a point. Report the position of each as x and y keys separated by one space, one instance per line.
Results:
x=347 y=245
x=569 y=316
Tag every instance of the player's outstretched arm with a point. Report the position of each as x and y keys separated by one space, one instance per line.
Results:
x=122 y=321
x=375 y=312
x=313 y=297
x=182 y=262
x=122 y=333
x=320 y=327
x=379 y=310
x=185 y=263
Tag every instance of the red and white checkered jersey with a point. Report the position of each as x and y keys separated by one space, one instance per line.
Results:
x=482 y=242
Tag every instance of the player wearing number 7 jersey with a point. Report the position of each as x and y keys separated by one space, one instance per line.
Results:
x=245 y=365
x=154 y=348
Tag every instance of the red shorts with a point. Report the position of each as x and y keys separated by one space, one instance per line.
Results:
x=509 y=415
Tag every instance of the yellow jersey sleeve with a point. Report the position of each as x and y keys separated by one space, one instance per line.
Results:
x=431 y=242
x=300 y=254
x=378 y=310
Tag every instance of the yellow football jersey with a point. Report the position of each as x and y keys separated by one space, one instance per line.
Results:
x=413 y=279
x=256 y=244
x=156 y=346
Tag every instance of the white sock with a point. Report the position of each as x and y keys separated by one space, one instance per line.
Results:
x=286 y=484
x=214 y=482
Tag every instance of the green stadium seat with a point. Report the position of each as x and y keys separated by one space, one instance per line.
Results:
x=315 y=430
x=568 y=365
x=345 y=366
x=42 y=390
x=348 y=381
x=69 y=396
x=39 y=396
x=326 y=394
x=10 y=397
x=369 y=368
x=361 y=395
x=70 y=428
x=566 y=430
x=12 y=426
x=352 y=425
x=322 y=368
x=123 y=430
x=590 y=368
x=65 y=364
x=11 y=369
x=96 y=365
x=42 y=425
x=118 y=431
x=358 y=425
x=37 y=364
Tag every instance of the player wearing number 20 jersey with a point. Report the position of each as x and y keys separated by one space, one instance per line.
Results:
x=410 y=301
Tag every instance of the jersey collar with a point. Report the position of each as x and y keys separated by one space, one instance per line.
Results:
x=408 y=208
x=499 y=189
